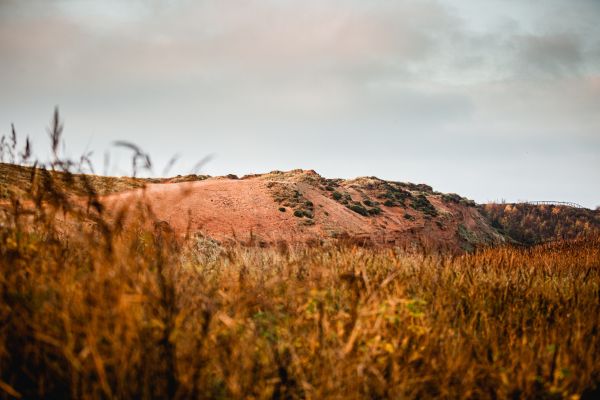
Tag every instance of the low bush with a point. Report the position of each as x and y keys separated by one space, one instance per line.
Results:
x=374 y=211
x=357 y=208
x=451 y=198
x=421 y=203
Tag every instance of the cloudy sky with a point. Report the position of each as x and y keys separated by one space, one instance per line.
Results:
x=491 y=99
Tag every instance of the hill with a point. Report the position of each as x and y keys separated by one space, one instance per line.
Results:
x=297 y=206
x=300 y=206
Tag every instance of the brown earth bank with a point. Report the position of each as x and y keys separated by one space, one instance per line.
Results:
x=302 y=207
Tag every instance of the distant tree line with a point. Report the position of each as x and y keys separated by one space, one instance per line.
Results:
x=531 y=224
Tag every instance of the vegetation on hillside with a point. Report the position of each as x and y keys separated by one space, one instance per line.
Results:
x=15 y=180
x=531 y=224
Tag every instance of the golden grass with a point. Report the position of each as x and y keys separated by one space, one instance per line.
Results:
x=91 y=308
x=106 y=312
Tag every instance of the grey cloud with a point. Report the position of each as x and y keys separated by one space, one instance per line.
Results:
x=223 y=40
x=416 y=90
x=550 y=55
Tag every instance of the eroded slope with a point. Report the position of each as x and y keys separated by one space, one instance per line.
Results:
x=301 y=206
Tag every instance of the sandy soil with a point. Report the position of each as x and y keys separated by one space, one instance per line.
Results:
x=248 y=211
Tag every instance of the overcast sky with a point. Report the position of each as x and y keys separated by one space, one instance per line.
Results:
x=491 y=99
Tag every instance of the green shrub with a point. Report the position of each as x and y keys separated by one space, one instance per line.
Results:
x=336 y=195
x=421 y=203
x=374 y=211
x=451 y=198
x=357 y=208
x=298 y=213
x=468 y=202
x=282 y=209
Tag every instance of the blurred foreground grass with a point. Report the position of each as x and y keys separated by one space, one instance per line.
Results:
x=108 y=312
x=91 y=307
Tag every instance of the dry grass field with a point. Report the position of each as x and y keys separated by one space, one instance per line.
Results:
x=99 y=311
x=92 y=308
